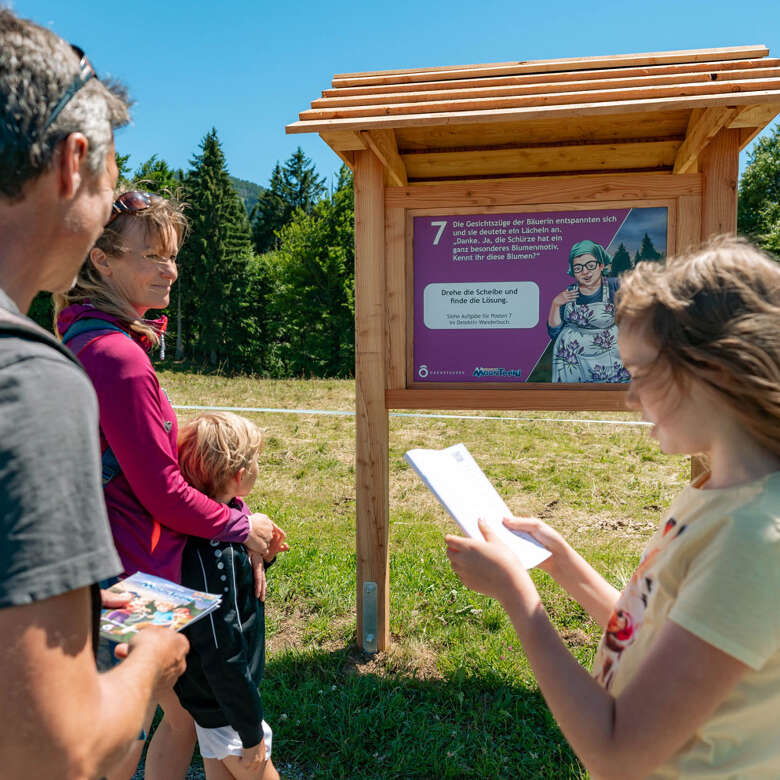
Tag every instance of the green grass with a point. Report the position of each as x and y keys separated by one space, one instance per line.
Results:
x=454 y=695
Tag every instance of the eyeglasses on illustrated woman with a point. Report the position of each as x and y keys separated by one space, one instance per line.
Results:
x=589 y=266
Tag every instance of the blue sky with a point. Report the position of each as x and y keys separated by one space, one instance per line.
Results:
x=247 y=68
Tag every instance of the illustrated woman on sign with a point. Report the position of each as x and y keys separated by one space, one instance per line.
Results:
x=581 y=322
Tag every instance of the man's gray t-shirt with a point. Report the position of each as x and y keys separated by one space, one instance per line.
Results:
x=55 y=533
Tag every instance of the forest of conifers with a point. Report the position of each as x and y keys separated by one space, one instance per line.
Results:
x=266 y=281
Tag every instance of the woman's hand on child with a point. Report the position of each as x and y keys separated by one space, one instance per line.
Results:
x=261 y=530
x=486 y=565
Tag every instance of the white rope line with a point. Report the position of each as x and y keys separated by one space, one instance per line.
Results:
x=337 y=412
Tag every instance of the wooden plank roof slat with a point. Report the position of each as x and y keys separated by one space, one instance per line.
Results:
x=718 y=66
x=715 y=88
x=536 y=112
x=541 y=66
x=476 y=92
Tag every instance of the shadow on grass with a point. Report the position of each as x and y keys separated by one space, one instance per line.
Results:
x=333 y=719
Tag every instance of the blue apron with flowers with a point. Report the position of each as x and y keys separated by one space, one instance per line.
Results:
x=586 y=349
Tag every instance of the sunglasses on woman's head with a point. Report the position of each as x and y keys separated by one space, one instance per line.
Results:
x=86 y=72
x=131 y=203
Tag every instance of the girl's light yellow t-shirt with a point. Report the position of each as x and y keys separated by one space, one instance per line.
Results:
x=712 y=567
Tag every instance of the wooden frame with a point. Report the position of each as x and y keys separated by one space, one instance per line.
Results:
x=660 y=128
x=681 y=195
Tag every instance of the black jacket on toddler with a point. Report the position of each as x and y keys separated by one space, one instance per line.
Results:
x=220 y=686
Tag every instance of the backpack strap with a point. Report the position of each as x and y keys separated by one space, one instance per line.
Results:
x=90 y=325
x=109 y=464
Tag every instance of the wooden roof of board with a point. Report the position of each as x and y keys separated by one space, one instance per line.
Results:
x=654 y=111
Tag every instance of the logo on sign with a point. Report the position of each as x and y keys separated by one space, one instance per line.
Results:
x=422 y=371
x=480 y=371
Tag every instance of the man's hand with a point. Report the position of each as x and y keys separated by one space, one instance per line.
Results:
x=165 y=647
x=261 y=531
x=111 y=600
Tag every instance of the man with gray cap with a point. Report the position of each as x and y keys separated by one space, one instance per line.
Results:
x=60 y=718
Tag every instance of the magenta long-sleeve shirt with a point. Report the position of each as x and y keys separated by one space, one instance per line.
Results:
x=152 y=509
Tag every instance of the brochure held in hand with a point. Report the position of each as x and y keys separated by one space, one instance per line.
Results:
x=461 y=486
x=153 y=602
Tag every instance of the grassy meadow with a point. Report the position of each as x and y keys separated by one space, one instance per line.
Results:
x=454 y=695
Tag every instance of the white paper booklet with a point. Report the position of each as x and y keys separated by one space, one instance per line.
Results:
x=461 y=486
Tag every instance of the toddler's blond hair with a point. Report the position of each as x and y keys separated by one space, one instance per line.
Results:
x=214 y=447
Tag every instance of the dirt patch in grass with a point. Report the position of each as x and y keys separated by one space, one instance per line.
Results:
x=576 y=637
x=406 y=659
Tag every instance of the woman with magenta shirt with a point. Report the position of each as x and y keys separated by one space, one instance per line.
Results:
x=152 y=509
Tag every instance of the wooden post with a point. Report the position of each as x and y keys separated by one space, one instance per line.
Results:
x=371 y=445
x=720 y=168
x=719 y=164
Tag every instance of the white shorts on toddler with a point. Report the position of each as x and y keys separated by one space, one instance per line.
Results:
x=224 y=741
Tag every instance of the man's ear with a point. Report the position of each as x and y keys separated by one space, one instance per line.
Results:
x=73 y=152
x=99 y=259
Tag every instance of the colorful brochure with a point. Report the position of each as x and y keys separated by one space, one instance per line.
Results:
x=154 y=602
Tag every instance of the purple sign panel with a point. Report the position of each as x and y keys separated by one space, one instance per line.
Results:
x=525 y=297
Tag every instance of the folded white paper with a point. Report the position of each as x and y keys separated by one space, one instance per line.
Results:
x=461 y=486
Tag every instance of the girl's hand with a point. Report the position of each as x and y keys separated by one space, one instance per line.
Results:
x=544 y=534
x=564 y=297
x=487 y=566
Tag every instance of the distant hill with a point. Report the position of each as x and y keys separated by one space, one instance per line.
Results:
x=248 y=191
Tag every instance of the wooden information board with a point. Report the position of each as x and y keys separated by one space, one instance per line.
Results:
x=512 y=164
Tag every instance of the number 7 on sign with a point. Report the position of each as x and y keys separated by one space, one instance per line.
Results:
x=441 y=224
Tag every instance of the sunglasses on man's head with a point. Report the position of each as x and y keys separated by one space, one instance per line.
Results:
x=86 y=72
x=131 y=203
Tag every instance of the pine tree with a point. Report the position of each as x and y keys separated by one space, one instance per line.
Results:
x=270 y=213
x=296 y=185
x=621 y=262
x=648 y=251
x=123 y=166
x=303 y=187
x=214 y=259
x=311 y=303
x=758 y=215
x=155 y=175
